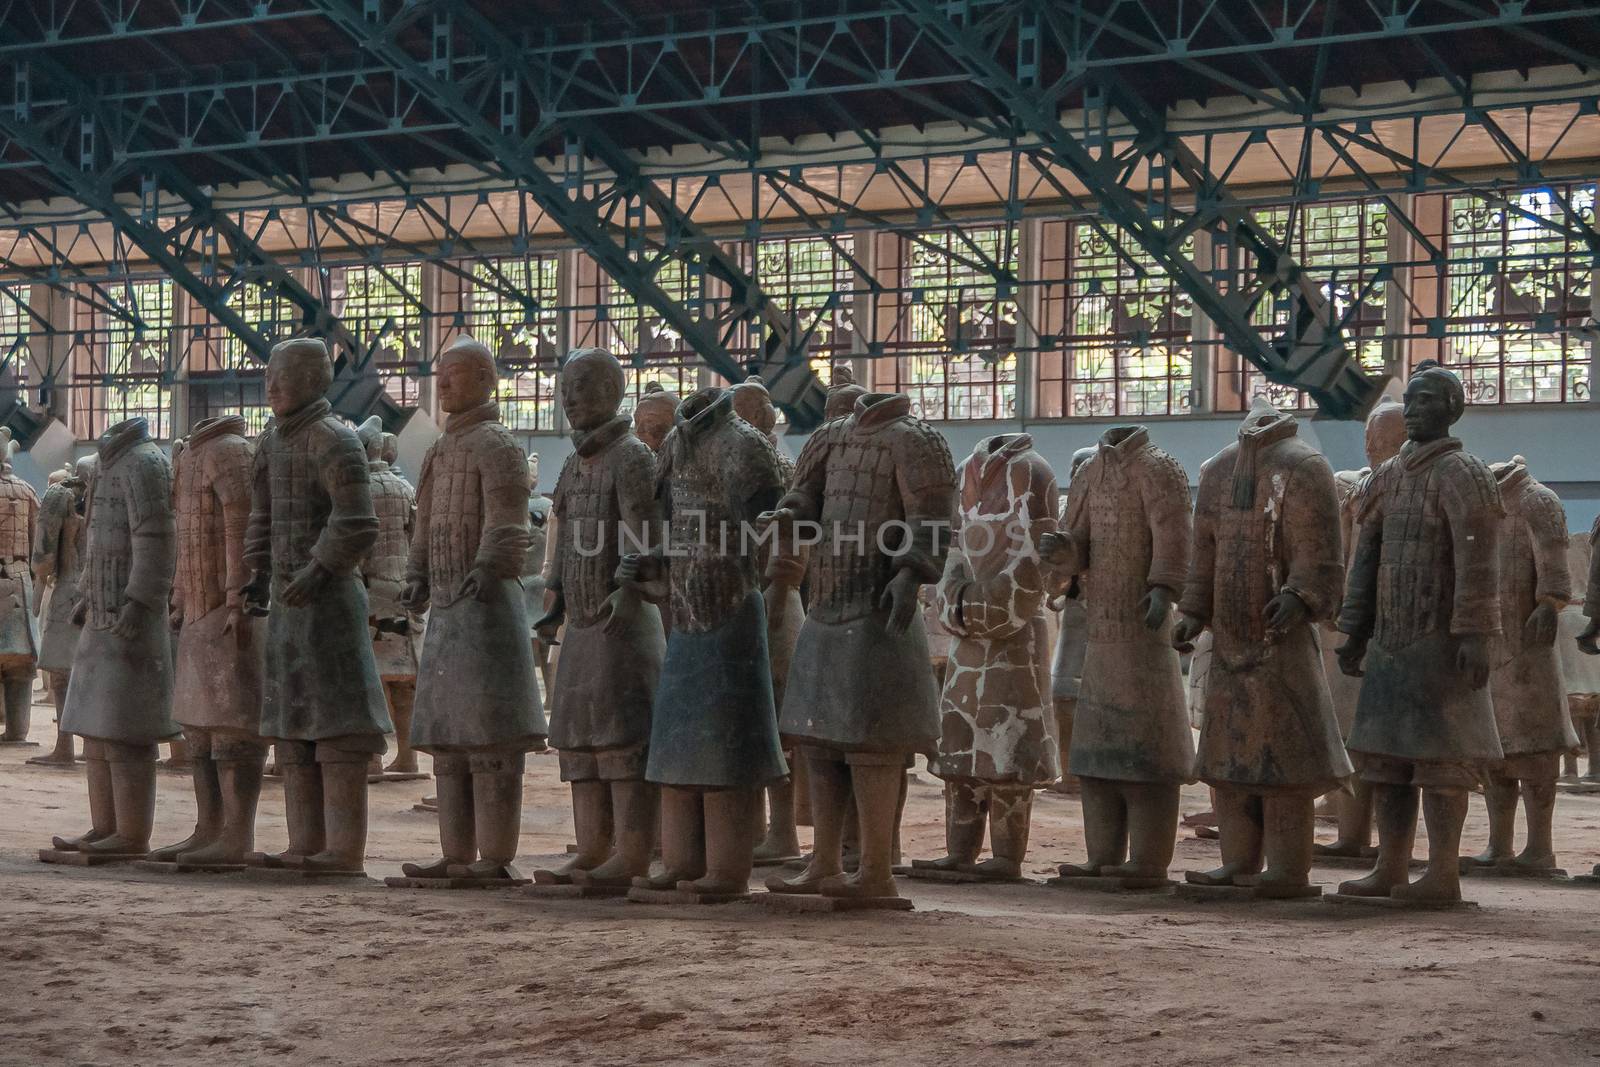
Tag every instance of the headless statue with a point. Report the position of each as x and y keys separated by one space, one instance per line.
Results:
x=394 y=626
x=1072 y=642
x=19 y=627
x=60 y=547
x=1580 y=674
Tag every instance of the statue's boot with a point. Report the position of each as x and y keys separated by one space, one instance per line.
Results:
x=1105 y=828
x=1539 y=806
x=303 y=811
x=102 y=801
x=829 y=787
x=344 y=814
x=1010 y=818
x=1289 y=827
x=133 y=787
x=592 y=824
x=1152 y=830
x=1065 y=708
x=1355 y=823
x=896 y=853
x=637 y=813
x=1591 y=736
x=240 y=780
x=497 y=813
x=877 y=789
x=782 y=841
x=458 y=835
x=62 y=754
x=1395 y=808
x=683 y=840
x=729 y=842
x=1500 y=797
x=1444 y=812
x=208 y=812
x=402 y=697
x=19 y=708
x=963 y=827
x=1239 y=824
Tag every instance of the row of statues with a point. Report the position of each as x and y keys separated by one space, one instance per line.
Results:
x=730 y=623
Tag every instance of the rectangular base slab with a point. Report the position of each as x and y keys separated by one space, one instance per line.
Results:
x=19 y=744
x=1108 y=884
x=426 y=809
x=1397 y=904
x=455 y=883
x=1590 y=880
x=935 y=874
x=45 y=761
x=679 y=896
x=778 y=861
x=1578 y=787
x=1191 y=891
x=164 y=867
x=84 y=859
x=300 y=874
x=818 y=902
x=1357 y=863
x=1533 y=874
x=577 y=892
x=397 y=776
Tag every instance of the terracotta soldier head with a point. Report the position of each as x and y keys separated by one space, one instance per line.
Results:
x=298 y=372
x=654 y=415
x=533 y=471
x=842 y=394
x=1079 y=458
x=466 y=375
x=1434 y=401
x=1386 y=431
x=753 y=404
x=56 y=477
x=390 y=449
x=370 y=434
x=592 y=384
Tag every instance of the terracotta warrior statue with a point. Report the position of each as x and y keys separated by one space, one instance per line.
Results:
x=1266 y=568
x=1422 y=610
x=1525 y=687
x=60 y=547
x=478 y=709
x=19 y=628
x=604 y=506
x=533 y=587
x=311 y=525
x=218 y=680
x=653 y=415
x=714 y=729
x=394 y=626
x=1127 y=532
x=120 y=696
x=1385 y=433
x=1579 y=673
x=1589 y=639
x=997 y=739
x=1072 y=642
x=860 y=698
x=784 y=615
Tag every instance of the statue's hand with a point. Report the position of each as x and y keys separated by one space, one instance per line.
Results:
x=620 y=609
x=1185 y=631
x=1156 y=606
x=555 y=613
x=899 y=599
x=257 y=593
x=130 y=619
x=236 y=627
x=783 y=518
x=311 y=580
x=415 y=594
x=80 y=611
x=1285 y=611
x=1056 y=548
x=477 y=584
x=1350 y=654
x=1472 y=659
x=1540 y=627
x=1587 y=641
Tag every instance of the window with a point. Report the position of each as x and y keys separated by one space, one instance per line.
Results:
x=522 y=337
x=15 y=325
x=383 y=307
x=1516 y=294
x=812 y=283
x=952 y=344
x=120 y=369
x=1116 y=332
x=649 y=349
x=225 y=377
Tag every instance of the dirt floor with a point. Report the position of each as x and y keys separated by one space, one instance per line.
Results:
x=112 y=966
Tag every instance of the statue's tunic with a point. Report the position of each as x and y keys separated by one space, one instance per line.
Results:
x=1128 y=517
x=19 y=627
x=1425 y=574
x=1530 y=702
x=1266 y=522
x=714 y=723
x=996 y=721
x=121 y=687
x=60 y=547
x=1344 y=690
x=311 y=501
x=604 y=506
x=384 y=570
x=880 y=478
x=475 y=685
x=218 y=681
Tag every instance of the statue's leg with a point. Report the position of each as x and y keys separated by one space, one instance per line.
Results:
x=1355 y=823
x=61 y=756
x=1289 y=826
x=402 y=694
x=458 y=835
x=963 y=826
x=1395 y=807
x=1539 y=805
x=1444 y=811
x=829 y=780
x=1240 y=818
x=781 y=840
x=1065 y=707
x=592 y=822
x=1500 y=797
x=102 y=801
x=729 y=841
x=344 y=803
x=635 y=807
x=879 y=781
x=1591 y=735
x=497 y=811
x=302 y=802
x=239 y=763
x=683 y=839
x=1105 y=828
x=133 y=791
x=1010 y=820
x=207 y=798
x=19 y=703
x=1152 y=829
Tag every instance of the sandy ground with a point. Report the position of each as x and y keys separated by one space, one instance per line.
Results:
x=111 y=966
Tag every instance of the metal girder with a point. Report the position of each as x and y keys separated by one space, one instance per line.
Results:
x=794 y=387
x=1311 y=356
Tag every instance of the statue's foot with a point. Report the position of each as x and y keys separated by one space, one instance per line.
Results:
x=943 y=863
x=1533 y=861
x=1487 y=858
x=998 y=868
x=333 y=863
x=1376 y=884
x=54 y=759
x=715 y=885
x=75 y=844
x=1341 y=847
x=1270 y=879
x=1067 y=786
x=1227 y=874
x=170 y=853
x=1079 y=870
x=807 y=881
x=615 y=872
x=1434 y=885
x=1590 y=776
x=116 y=845
x=439 y=868
x=289 y=857
x=400 y=766
x=562 y=875
x=1133 y=870
x=775 y=847
x=853 y=885
x=485 y=870
x=218 y=852
x=665 y=881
